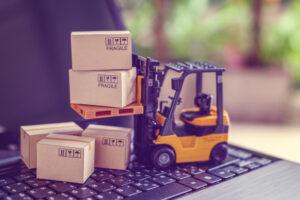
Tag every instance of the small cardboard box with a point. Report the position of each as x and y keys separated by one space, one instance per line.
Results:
x=112 y=145
x=65 y=158
x=101 y=50
x=103 y=88
x=30 y=135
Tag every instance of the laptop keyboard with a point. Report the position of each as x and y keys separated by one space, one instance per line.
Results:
x=138 y=182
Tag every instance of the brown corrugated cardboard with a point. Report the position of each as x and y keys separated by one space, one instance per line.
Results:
x=103 y=88
x=101 y=50
x=30 y=135
x=112 y=145
x=65 y=158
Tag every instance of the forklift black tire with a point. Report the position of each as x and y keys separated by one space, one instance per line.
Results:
x=219 y=153
x=163 y=157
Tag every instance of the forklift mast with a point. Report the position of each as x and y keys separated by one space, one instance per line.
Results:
x=145 y=124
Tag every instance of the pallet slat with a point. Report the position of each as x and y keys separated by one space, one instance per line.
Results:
x=96 y=112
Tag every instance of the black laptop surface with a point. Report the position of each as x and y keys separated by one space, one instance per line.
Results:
x=244 y=175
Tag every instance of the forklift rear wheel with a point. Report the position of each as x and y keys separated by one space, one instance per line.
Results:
x=163 y=157
x=219 y=153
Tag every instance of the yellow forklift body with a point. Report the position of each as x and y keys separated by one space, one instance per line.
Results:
x=192 y=148
x=210 y=120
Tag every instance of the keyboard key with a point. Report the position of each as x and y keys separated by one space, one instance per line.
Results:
x=120 y=181
x=89 y=181
x=228 y=161
x=16 y=188
x=102 y=176
x=236 y=170
x=23 y=177
x=102 y=186
x=41 y=192
x=243 y=163
x=225 y=174
x=153 y=172
x=82 y=192
x=177 y=174
x=62 y=186
x=25 y=170
x=37 y=183
x=118 y=172
x=207 y=178
x=165 y=192
x=261 y=161
x=136 y=166
x=163 y=179
x=253 y=165
x=137 y=175
x=193 y=183
x=6 y=181
x=248 y=164
x=127 y=190
x=192 y=169
x=19 y=196
x=146 y=185
x=239 y=153
x=109 y=196
x=61 y=196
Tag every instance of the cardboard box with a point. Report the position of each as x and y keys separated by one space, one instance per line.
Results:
x=101 y=50
x=30 y=135
x=112 y=145
x=103 y=88
x=65 y=158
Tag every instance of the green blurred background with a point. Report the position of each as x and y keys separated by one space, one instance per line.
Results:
x=258 y=41
x=220 y=30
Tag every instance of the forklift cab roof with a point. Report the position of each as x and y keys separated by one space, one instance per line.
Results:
x=194 y=67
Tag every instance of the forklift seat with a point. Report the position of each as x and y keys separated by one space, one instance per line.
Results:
x=203 y=102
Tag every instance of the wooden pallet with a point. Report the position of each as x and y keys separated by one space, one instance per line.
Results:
x=96 y=112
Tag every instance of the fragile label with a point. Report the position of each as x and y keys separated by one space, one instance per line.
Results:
x=113 y=142
x=107 y=81
x=69 y=153
x=116 y=43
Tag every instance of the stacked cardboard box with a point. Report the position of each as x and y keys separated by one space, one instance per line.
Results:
x=101 y=75
x=102 y=72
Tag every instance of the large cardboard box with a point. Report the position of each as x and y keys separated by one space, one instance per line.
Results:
x=101 y=50
x=112 y=145
x=103 y=88
x=30 y=135
x=65 y=158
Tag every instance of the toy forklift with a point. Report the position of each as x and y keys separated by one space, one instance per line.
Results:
x=158 y=139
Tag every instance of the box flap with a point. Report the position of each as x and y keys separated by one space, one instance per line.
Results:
x=49 y=126
x=61 y=140
x=70 y=138
x=99 y=32
x=109 y=130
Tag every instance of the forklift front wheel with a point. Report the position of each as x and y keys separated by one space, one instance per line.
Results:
x=219 y=153
x=163 y=157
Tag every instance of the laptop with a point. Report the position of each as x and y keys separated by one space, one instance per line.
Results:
x=243 y=175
